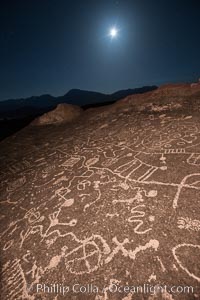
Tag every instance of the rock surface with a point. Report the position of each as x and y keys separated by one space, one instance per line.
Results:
x=62 y=113
x=105 y=204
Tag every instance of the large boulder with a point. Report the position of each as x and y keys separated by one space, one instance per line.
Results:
x=62 y=113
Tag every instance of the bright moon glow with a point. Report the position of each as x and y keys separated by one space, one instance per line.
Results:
x=113 y=32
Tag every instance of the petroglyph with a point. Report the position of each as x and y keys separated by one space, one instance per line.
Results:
x=189 y=224
x=71 y=162
x=14 y=282
x=194 y=184
x=152 y=244
x=194 y=159
x=135 y=215
x=16 y=184
x=181 y=264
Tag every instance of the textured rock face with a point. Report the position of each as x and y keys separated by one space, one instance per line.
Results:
x=62 y=113
x=171 y=97
x=181 y=95
x=98 y=207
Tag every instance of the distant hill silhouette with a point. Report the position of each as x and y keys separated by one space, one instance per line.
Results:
x=18 y=113
x=36 y=105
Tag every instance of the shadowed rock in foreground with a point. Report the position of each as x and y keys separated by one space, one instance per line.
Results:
x=111 y=200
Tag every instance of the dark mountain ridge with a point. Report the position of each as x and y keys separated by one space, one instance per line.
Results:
x=36 y=105
x=18 y=113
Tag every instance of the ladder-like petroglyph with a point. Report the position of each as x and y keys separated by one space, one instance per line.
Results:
x=14 y=286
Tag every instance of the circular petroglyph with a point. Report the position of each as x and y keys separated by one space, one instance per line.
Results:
x=68 y=202
x=187 y=257
x=152 y=193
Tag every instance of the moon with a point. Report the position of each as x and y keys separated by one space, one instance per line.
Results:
x=113 y=32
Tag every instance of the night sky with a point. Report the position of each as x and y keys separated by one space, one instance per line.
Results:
x=52 y=46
